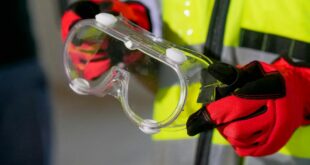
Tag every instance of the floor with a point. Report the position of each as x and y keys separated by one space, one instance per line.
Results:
x=92 y=131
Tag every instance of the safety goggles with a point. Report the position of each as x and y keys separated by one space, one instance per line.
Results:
x=154 y=80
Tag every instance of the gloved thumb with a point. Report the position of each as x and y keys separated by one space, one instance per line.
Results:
x=199 y=122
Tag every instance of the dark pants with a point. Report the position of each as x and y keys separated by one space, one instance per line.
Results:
x=24 y=115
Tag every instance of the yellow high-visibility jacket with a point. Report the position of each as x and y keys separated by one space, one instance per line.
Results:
x=242 y=31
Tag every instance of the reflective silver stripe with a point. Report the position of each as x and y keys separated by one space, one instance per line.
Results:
x=276 y=159
x=223 y=154
x=173 y=152
x=198 y=47
x=242 y=56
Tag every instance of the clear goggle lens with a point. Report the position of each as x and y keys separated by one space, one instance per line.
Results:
x=152 y=93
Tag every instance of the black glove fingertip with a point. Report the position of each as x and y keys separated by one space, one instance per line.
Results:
x=199 y=122
x=225 y=73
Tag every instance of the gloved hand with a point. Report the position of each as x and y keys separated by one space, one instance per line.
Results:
x=91 y=66
x=259 y=108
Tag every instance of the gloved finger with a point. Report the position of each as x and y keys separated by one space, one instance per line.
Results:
x=232 y=77
x=223 y=111
x=250 y=125
x=249 y=131
x=228 y=75
x=250 y=146
x=223 y=72
x=253 y=150
x=250 y=142
x=270 y=86
x=233 y=108
x=236 y=78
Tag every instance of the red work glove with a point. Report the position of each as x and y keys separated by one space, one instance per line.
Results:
x=91 y=66
x=259 y=109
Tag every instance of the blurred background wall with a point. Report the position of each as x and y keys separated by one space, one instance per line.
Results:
x=86 y=130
